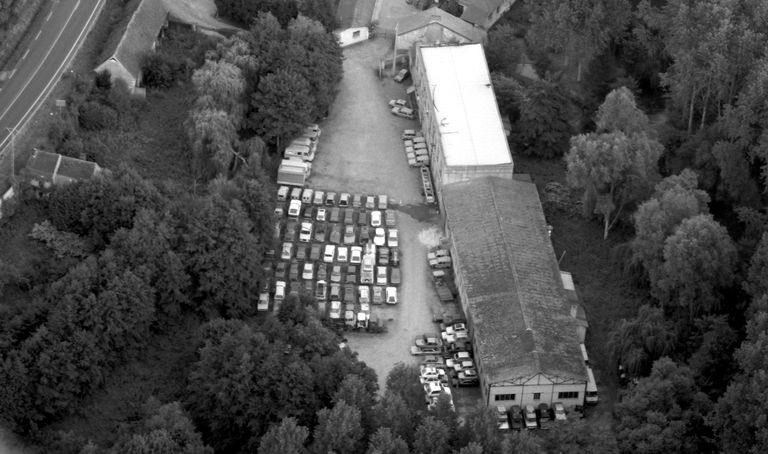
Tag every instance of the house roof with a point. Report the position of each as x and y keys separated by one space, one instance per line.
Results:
x=131 y=40
x=477 y=11
x=521 y=318
x=472 y=133
x=52 y=165
x=436 y=15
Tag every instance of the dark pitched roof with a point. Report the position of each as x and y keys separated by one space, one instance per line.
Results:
x=477 y=11
x=47 y=165
x=521 y=320
x=436 y=15
x=130 y=41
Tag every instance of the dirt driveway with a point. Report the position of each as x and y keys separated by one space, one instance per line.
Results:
x=361 y=151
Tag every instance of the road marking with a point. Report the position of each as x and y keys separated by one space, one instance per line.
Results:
x=38 y=35
x=25 y=54
x=48 y=17
x=56 y=74
x=12 y=73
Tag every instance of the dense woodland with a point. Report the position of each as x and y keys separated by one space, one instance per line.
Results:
x=131 y=259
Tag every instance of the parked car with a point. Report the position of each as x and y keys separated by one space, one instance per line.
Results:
x=336 y=273
x=329 y=254
x=370 y=202
x=391 y=295
x=383 y=256
x=350 y=294
x=335 y=215
x=322 y=272
x=463 y=365
x=335 y=312
x=381 y=275
x=394 y=276
x=401 y=75
x=342 y=254
x=349 y=216
x=516 y=417
x=280 y=271
x=294 y=208
x=305 y=234
x=375 y=218
x=530 y=417
x=290 y=231
x=390 y=218
x=380 y=237
x=355 y=254
x=559 y=409
x=335 y=292
x=545 y=419
x=362 y=218
x=263 y=304
x=357 y=201
x=315 y=251
x=301 y=252
x=349 y=234
x=321 y=214
x=432 y=374
x=398 y=102
x=428 y=340
x=321 y=290
x=436 y=361
x=309 y=271
x=501 y=418
x=344 y=199
x=287 y=251
x=393 y=238
x=403 y=112
x=279 y=292
x=378 y=294
x=382 y=202
x=365 y=234
x=421 y=351
x=468 y=377
x=394 y=256
x=320 y=233
x=364 y=294
x=351 y=277
x=318 y=198
x=335 y=236
x=330 y=199
x=293 y=274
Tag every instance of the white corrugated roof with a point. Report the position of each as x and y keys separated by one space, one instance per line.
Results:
x=465 y=106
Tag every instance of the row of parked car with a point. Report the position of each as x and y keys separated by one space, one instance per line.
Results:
x=333 y=199
x=530 y=417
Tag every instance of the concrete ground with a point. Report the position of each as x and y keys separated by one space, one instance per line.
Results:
x=361 y=151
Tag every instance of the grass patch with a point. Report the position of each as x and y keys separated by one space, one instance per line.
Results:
x=606 y=294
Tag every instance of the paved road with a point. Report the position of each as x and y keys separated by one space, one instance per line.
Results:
x=58 y=38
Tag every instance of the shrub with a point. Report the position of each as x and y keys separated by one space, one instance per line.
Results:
x=95 y=116
x=160 y=70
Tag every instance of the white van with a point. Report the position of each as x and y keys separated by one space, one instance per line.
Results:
x=299 y=151
x=590 y=398
x=282 y=193
x=306 y=196
x=305 y=142
x=296 y=194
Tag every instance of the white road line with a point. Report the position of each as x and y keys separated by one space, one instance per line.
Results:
x=48 y=17
x=25 y=54
x=38 y=35
x=12 y=73
x=40 y=64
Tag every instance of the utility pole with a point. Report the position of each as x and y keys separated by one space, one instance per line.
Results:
x=13 y=132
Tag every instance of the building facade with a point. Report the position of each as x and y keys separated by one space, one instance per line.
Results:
x=459 y=115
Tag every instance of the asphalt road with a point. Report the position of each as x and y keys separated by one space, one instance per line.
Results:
x=55 y=42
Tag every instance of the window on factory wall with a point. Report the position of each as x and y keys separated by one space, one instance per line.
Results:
x=568 y=395
x=536 y=396
x=499 y=397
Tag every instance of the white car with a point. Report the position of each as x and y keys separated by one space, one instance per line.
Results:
x=321 y=214
x=381 y=236
x=375 y=218
x=381 y=275
x=279 y=291
x=294 y=208
x=355 y=254
x=335 y=313
x=318 y=198
x=287 y=251
x=330 y=252
x=393 y=240
x=342 y=254
x=263 y=302
x=364 y=294
x=305 y=234
x=309 y=271
x=391 y=295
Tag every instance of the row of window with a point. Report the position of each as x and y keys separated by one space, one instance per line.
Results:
x=537 y=396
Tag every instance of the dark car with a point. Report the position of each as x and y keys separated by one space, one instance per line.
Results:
x=357 y=200
x=365 y=234
x=294 y=273
x=350 y=295
x=516 y=417
x=351 y=275
x=336 y=273
x=335 y=214
x=307 y=212
x=394 y=256
x=335 y=237
x=394 y=276
x=290 y=231
x=362 y=218
x=320 y=233
x=302 y=253
x=390 y=218
x=322 y=272
x=330 y=199
x=545 y=419
x=349 y=234
x=280 y=271
x=349 y=216
x=315 y=253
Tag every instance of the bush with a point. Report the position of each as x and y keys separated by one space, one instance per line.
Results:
x=94 y=116
x=160 y=70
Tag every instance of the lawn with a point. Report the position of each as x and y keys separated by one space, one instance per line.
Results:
x=606 y=294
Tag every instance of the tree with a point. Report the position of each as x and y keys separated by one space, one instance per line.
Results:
x=322 y=11
x=481 y=427
x=383 y=442
x=663 y=413
x=338 y=430
x=213 y=137
x=432 y=437
x=94 y=116
x=756 y=283
x=542 y=128
x=619 y=113
x=355 y=392
x=160 y=70
x=712 y=361
x=676 y=198
x=286 y=438
x=471 y=448
x=699 y=259
x=393 y=413
x=282 y=104
x=577 y=436
x=613 y=170
x=503 y=49
x=637 y=343
x=402 y=380
x=221 y=85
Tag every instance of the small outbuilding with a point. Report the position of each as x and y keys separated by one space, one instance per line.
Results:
x=45 y=170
